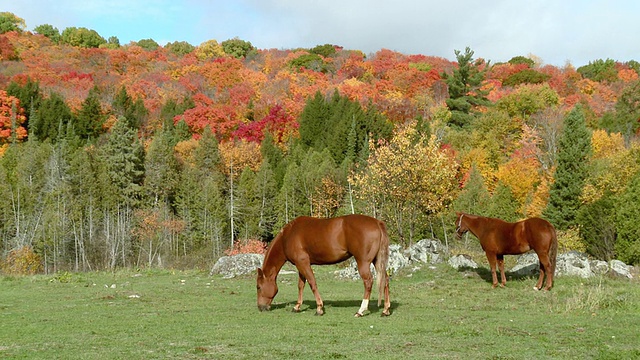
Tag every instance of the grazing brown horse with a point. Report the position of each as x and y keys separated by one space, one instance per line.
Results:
x=308 y=241
x=499 y=238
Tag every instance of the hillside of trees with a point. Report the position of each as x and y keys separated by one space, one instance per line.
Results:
x=135 y=155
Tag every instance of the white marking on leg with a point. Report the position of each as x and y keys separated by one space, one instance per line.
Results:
x=364 y=307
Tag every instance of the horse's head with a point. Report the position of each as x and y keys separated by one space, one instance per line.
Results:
x=461 y=225
x=267 y=290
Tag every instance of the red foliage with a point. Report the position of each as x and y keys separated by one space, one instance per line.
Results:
x=220 y=118
x=278 y=123
x=11 y=111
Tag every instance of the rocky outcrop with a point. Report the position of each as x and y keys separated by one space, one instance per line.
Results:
x=236 y=265
x=429 y=252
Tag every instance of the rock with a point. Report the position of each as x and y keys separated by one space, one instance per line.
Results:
x=426 y=251
x=526 y=264
x=462 y=261
x=619 y=268
x=572 y=263
x=397 y=260
x=236 y=265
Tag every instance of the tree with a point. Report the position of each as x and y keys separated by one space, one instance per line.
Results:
x=148 y=44
x=82 y=37
x=626 y=117
x=465 y=92
x=52 y=118
x=503 y=204
x=49 y=31
x=628 y=212
x=598 y=227
x=90 y=118
x=133 y=111
x=180 y=47
x=11 y=119
x=238 y=48
x=571 y=172
x=408 y=178
x=10 y=22
x=474 y=197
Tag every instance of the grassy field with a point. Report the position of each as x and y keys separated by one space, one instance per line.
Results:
x=438 y=313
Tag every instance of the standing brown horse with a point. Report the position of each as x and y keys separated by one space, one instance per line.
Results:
x=308 y=241
x=499 y=238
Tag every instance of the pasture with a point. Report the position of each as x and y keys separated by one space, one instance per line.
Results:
x=437 y=313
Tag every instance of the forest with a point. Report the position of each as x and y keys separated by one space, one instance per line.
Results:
x=140 y=155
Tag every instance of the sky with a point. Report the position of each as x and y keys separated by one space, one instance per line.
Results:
x=556 y=32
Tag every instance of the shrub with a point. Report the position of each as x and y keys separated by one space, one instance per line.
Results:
x=22 y=261
x=250 y=246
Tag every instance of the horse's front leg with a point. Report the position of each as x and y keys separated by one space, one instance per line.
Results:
x=367 y=279
x=305 y=271
x=503 y=278
x=492 y=258
x=301 y=282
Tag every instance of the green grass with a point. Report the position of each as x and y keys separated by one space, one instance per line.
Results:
x=438 y=313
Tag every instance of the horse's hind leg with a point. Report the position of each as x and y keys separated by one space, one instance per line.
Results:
x=367 y=279
x=503 y=277
x=545 y=268
x=301 y=282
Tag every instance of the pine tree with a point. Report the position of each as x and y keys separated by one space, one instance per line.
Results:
x=571 y=171
x=503 y=204
x=628 y=240
x=465 y=93
x=90 y=118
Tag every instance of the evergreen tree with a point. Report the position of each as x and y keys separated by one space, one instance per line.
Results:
x=134 y=111
x=53 y=116
x=571 y=171
x=90 y=117
x=124 y=160
x=474 y=197
x=161 y=169
x=628 y=212
x=598 y=227
x=465 y=93
x=503 y=204
x=29 y=96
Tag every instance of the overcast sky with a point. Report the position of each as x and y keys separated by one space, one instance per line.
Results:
x=556 y=31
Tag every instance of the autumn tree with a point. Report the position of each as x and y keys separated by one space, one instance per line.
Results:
x=82 y=37
x=465 y=92
x=11 y=119
x=571 y=172
x=10 y=22
x=407 y=179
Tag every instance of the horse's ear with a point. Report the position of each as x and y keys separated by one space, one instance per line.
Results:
x=260 y=273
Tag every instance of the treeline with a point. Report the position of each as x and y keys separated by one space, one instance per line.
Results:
x=140 y=155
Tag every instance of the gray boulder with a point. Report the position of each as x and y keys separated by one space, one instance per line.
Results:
x=236 y=265
x=462 y=261
x=619 y=268
x=427 y=251
x=572 y=263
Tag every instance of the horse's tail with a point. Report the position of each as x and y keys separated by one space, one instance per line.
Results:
x=382 y=261
x=553 y=251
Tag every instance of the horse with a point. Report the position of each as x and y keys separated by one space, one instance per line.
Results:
x=307 y=241
x=499 y=238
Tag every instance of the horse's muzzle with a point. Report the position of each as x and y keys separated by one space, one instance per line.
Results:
x=264 y=307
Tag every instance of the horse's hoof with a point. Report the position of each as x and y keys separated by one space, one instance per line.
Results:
x=296 y=310
x=358 y=315
x=536 y=288
x=385 y=313
x=319 y=312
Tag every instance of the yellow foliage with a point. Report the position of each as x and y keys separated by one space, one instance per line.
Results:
x=22 y=261
x=570 y=240
x=240 y=154
x=209 y=49
x=184 y=151
x=412 y=175
x=606 y=145
x=521 y=175
x=587 y=87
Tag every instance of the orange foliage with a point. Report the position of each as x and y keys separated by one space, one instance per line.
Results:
x=22 y=261
x=249 y=246
x=11 y=118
